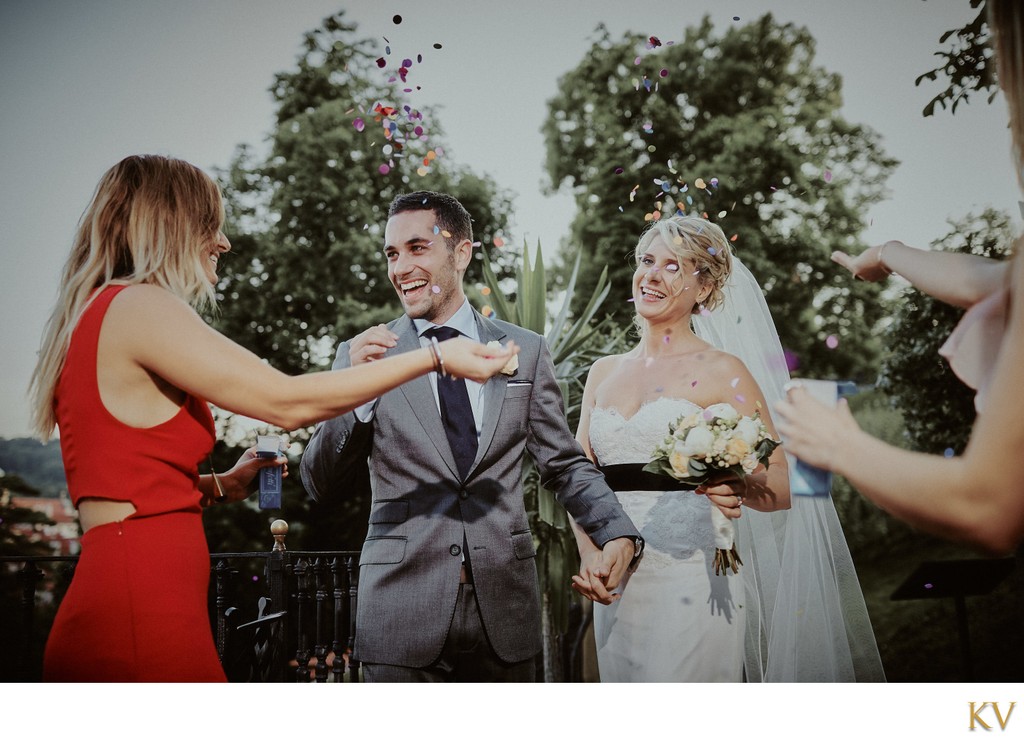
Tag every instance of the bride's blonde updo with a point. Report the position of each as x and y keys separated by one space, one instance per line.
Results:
x=690 y=237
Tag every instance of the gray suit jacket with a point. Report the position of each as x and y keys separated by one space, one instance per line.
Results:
x=422 y=513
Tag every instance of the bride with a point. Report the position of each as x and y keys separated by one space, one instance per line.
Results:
x=675 y=619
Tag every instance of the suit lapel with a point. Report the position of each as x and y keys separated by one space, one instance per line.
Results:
x=494 y=391
x=420 y=395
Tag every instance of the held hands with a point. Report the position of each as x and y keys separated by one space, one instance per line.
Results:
x=602 y=570
x=812 y=431
x=464 y=358
x=869 y=265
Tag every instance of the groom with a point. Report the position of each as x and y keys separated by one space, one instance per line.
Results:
x=448 y=587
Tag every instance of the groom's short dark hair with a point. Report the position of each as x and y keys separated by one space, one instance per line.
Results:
x=452 y=217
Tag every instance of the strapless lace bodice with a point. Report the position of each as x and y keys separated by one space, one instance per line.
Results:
x=673 y=524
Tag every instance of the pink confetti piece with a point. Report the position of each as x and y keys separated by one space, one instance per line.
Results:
x=359 y=124
x=828 y=175
x=435 y=289
x=832 y=341
x=693 y=384
x=383 y=169
x=739 y=397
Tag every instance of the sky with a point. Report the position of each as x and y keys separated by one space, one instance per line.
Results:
x=83 y=84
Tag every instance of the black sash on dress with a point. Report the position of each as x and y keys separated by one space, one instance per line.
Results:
x=632 y=477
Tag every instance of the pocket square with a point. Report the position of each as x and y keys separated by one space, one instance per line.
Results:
x=518 y=383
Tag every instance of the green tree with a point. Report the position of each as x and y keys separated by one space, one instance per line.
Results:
x=967 y=63
x=741 y=126
x=306 y=224
x=307 y=220
x=937 y=408
x=13 y=542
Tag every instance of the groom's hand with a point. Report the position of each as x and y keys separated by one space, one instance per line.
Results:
x=616 y=557
x=371 y=344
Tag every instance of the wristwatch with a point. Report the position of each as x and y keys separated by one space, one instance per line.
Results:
x=638 y=547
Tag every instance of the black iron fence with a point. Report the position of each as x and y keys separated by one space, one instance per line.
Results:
x=277 y=616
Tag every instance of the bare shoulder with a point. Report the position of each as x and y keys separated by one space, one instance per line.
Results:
x=726 y=369
x=146 y=309
x=603 y=367
x=147 y=294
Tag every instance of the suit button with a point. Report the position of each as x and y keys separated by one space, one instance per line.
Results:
x=456 y=550
x=463 y=494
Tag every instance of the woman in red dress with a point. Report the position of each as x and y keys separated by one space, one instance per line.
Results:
x=126 y=371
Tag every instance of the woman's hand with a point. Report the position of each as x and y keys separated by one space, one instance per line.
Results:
x=727 y=495
x=242 y=479
x=812 y=431
x=870 y=265
x=465 y=358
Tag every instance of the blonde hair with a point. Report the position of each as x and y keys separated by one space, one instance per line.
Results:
x=1006 y=21
x=148 y=222
x=691 y=238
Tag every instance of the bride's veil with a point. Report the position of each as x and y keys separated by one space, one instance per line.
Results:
x=806 y=617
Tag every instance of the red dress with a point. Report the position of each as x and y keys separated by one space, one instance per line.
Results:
x=136 y=608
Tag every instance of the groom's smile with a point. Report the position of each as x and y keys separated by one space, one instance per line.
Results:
x=425 y=272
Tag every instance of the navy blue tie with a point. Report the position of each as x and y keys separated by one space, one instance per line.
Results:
x=456 y=412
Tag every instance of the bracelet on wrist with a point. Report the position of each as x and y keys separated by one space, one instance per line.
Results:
x=435 y=349
x=220 y=495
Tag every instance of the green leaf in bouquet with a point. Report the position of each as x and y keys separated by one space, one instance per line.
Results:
x=660 y=465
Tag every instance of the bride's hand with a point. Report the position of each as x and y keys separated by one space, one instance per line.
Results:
x=727 y=496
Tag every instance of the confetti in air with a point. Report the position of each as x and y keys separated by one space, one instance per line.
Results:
x=435 y=289
x=828 y=175
x=949 y=453
x=832 y=341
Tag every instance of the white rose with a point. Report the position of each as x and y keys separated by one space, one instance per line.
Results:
x=698 y=442
x=723 y=411
x=747 y=429
x=749 y=463
x=680 y=465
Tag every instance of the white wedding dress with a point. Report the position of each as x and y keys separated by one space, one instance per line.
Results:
x=676 y=620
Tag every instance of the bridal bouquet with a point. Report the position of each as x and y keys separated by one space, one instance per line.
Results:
x=708 y=447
